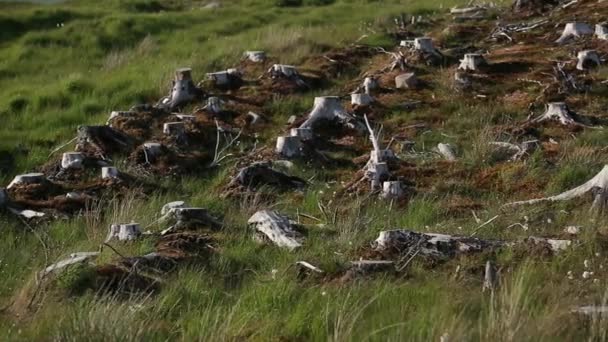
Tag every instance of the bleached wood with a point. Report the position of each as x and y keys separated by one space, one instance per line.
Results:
x=406 y=81
x=277 y=228
x=75 y=258
x=327 y=108
x=175 y=129
x=472 y=62
x=599 y=181
x=369 y=84
x=447 y=151
x=27 y=213
x=28 y=178
x=574 y=30
x=490 y=280
x=182 y=91
x=587 y=57
x=224 y=77
x=392 y=190
x=282 y=70
x=289 y=146
x=119 y=114
x=255 y=56
x=72 y=160
x=308 y=266
x=361 y=99
x=109 y=172
x=214 y=105
x=601 y=31
x=124 y=232
x=303 y=133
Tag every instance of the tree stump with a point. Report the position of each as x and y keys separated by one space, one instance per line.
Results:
x=226 y=78
x=587 y=59
x=304 y=134
x=363 y=99
x=558 y=111
x=369 y=84
x=601 y=31
x=255 y=56
x=392 y=190
x=282 y=70
x=176 y=130
x=183 y=90
x=109 y=172
x=328 y=108
x=276 y=228
x=574 y=30
x=472 y=62
x=72 y=160
x=425 y=48
x=214 y=105
x=124 y=232
x=289 y=147
x=28 y=178
x=406 y=81
x=167 y=208
x=377 y=173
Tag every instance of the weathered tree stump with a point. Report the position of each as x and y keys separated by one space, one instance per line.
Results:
x=109 y=172
x=304 y=134
x=124 y=232
x=183 y=90
x=189 y=217
x=152 y=150
x=328 y=108
x=425 y=48
x=214 y=105
x=276 y=228
x=259 y=174
x=119 y=114
x=167 y=208
x=392 y=190
x=447 y=151
x=558 y=111
x=72 y=160
x=597 y=185
x=289 y=146
x=176 y=130
x=103 y=139
x=587 y=59
x=226 y=78
x=255 y=56
x=574 y=30
x=362 y=100
x=601 y=31
x=369 y=84
x=28 y=178
x=282 y=70
x=472 y=62
x=406 y=81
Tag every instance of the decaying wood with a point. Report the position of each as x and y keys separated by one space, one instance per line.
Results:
x=259 y=174
x=289 y=146
x=377 y=168
x=28 y=178
x=124 y=232
x=574 y=30
x=102 y=139
x=225 y=78
x=406 y=81
x=289 y=72
x=447 y=151
x=490 y=280
x=601 y=31
x=72 y=160
x=392 y=190
x=213 y=105
x=597 y=185
x=183 y=91
x=587 y=59
x=183 y=217
x=472 y=62
x=517 y=151
x=329 y=108
x=559 y=111
x=277 y=228
x=361 y=99
x=443 y=247
x=75 y=258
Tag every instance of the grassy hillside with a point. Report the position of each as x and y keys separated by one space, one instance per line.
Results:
x=70 y=64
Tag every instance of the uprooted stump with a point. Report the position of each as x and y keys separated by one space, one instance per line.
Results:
x=183 y=91
x=102 y=140
x=587 y=59
x=270 y=225
x=597 y=186
x=260 y=174
x=573 y=31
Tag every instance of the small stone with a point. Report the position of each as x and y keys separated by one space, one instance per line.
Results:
x=587 y=274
